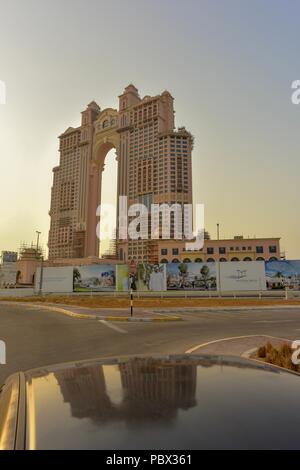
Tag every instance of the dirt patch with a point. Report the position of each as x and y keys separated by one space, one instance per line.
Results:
x=152 y=302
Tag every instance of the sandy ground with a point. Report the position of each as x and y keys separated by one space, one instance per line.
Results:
x=101 y=301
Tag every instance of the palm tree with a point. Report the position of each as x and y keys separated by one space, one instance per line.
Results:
x=204 y=271
x=278 y=274
x=183 y=271
x=76 y=276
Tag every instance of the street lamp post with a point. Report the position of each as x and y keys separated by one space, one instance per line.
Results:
x=42 y=263
x=37 y=241
x=41 y=276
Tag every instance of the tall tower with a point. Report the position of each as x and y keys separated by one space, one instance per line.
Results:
x=154 y=166
x=158 y=161
x=69 y=193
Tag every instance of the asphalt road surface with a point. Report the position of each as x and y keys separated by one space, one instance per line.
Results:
x=36 y=338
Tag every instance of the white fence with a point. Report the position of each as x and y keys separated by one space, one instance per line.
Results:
x=22 y=292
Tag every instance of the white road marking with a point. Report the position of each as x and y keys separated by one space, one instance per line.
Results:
x=113 y=327
x=191 y=350
x=154 y=312
x=273 y=321
x=248 y=353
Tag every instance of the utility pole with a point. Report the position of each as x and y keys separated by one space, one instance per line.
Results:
x=219 y=267
x=131 y=303
x=41 y=276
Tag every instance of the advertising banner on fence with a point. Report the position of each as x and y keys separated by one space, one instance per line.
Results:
x=243 y=275
x=55 y=279
x=282 y=274
x=95 y=277
x=191 y=276
x=8 y=274
x=122 y=277
x=150 y=277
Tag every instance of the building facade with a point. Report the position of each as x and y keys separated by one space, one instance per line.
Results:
x=235 y=249
x=154 y=166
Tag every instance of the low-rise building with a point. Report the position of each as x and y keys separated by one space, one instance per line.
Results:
x=237 y=248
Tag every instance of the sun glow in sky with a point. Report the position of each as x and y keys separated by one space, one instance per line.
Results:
x=229 y=66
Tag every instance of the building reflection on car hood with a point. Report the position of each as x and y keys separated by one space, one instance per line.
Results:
x=176 y=402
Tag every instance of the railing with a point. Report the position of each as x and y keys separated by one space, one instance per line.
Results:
x=194 y=294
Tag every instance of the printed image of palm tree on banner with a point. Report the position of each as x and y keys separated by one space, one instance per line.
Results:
x=151 y=277
x=189 y=276
x=96 y=278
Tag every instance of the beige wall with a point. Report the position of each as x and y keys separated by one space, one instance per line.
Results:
x=27 y=270
x=235 y=249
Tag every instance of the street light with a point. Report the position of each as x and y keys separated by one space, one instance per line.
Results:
x=42 y=262
x=37 y=241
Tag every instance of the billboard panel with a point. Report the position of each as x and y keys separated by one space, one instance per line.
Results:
x=122 y=278
x=243 y=275
x=55 y=279
x=8 y=274
x=150 y=277
x=95 y=277
x=282 y=274
x=9 y=257
x=191 y=276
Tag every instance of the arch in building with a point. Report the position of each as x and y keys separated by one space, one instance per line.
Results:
x=106 y=138
x=247 y=258
x=210 y=260
x=234 y=259
x=273 y=258
x=186 y=260
x=164 y=260
x=198 y=260
x=175 y=260
x=260 y=258
x=223 y=260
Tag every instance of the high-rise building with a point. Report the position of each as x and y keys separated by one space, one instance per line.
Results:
x=154 y=166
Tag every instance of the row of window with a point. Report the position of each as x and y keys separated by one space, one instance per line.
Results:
x=164 y=251
x=258 y=249
x=222 y=250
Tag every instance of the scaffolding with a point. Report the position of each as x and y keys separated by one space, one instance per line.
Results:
x=31 y=251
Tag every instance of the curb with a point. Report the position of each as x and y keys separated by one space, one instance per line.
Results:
x=69 y=313
x=137 y=319
x=231 y=308
x=88 y=316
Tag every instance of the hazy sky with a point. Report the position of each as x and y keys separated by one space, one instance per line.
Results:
x=229 y=65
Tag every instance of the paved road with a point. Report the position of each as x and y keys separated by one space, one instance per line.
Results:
x=37 y=337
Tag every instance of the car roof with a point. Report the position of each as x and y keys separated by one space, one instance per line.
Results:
x=162 y=402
